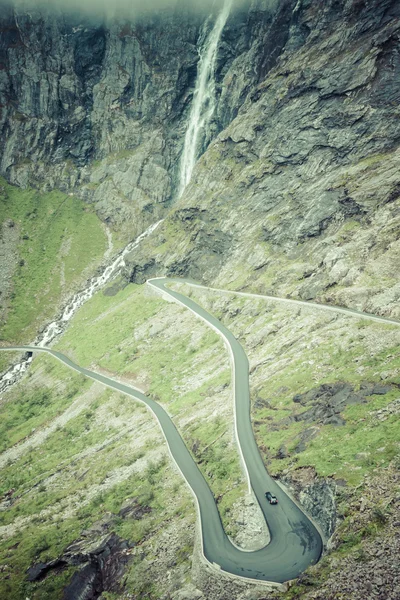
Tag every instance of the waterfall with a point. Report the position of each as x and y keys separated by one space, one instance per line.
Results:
x=204 y=100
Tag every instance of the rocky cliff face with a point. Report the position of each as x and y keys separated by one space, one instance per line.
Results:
x=99 y=107
x=299 y=191
x=299 y=195
x=75 y=90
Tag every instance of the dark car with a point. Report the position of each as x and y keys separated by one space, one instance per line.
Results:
x=271 y=498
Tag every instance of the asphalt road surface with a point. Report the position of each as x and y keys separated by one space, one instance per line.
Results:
x=295 y=542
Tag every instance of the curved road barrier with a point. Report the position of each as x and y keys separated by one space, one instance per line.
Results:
x=295 y=542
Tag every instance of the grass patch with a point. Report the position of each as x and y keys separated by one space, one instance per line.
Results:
x=58 y=239
x=340 y=355
x=6 y=359
x=103 y=331
x=31 y=546
x=66 y=484
x=117 y=334
x=31 y=406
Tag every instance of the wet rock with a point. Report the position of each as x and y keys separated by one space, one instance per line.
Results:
x=85 y=584
x=40 y=570
x=317 y=495
x=115 y=287
x=381 y=390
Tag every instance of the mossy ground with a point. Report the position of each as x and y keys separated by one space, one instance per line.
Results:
x=160 y=347
x=60 y=244
x=6 y=358
x=88 y=465
x=83 y=470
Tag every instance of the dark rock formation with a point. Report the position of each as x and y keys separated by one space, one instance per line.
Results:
x=76 y=89
x=282 y=452
x=101 y=555
x=104 y=569
x=102 y=565
x=317 y=495
x=371 y=570
x=328 y=401
x=40 y=570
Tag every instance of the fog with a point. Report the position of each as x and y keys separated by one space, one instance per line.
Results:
x=120 y=6
x=127 y=7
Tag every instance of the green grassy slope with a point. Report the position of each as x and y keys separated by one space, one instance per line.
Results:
x=178 y=361
x=293 y=351
x=76 y=453
x=60 y=243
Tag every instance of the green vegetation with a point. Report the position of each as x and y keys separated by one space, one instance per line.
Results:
x=30 y=546
x=6 y=359
x=339 y=451
x=348 y=230
x=103 y=331
x=131 y=334
x=34 y=404
x=134 y=335
x=116 y=333
x=59 y=242
x=345 y=351
x=82 y=471
x=348 y=451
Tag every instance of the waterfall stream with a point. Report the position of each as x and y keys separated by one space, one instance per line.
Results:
x=55 y=328
x=204 y=100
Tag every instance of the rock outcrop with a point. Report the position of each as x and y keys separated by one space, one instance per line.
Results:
x=317 y=496
x=298 y=190
x=328 y=401
x=100 y=555
x=367 y=568
x=304 y=182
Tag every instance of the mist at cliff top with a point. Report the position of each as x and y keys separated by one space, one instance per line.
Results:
x=127 y=7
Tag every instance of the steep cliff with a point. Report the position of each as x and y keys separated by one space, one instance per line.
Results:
x=299 y=195
x=99 y=107
x=295 y=190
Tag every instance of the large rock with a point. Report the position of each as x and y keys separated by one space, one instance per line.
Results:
x=326 y=403
x=317 y=495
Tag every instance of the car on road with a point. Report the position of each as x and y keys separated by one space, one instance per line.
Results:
x=271 y=498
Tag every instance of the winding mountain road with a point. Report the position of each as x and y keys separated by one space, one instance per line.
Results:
x=295 y=542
